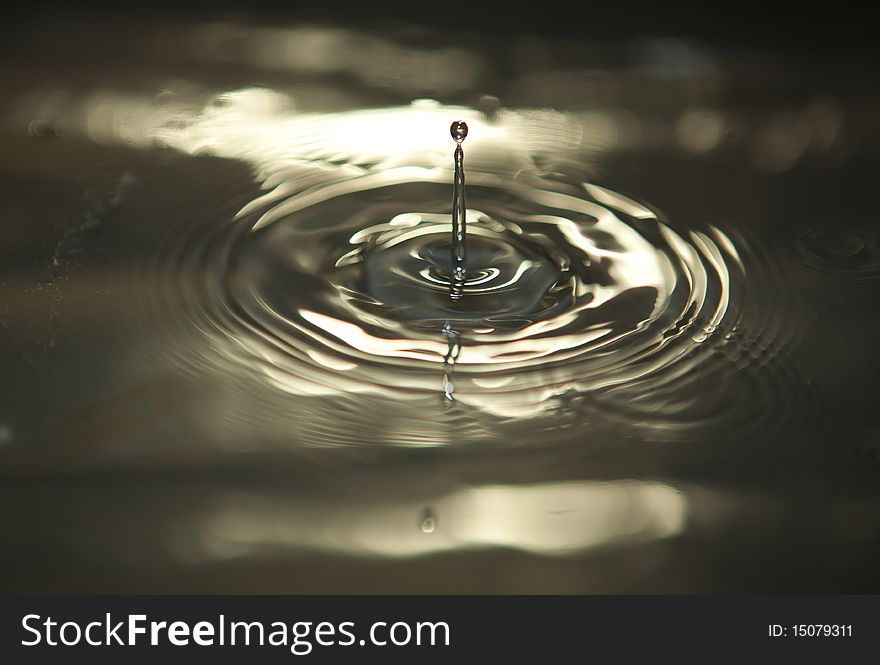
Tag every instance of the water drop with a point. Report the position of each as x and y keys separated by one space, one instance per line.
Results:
x=459 y=131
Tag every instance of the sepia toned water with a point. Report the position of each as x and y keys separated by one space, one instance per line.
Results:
x=231 y=361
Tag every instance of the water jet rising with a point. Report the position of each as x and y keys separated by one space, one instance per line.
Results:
x=459 y=131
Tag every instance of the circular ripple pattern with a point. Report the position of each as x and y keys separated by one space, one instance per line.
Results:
x=849 y=251
x=335 y=289
x=349 y=292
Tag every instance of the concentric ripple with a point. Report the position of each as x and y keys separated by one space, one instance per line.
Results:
x=849 y=251
x=341 y=288
x=323 y=304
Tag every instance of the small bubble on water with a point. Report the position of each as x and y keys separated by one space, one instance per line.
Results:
x=489 y=106
x=40 y=129
x=428 y=522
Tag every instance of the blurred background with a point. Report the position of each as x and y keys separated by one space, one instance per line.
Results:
x=139 y=453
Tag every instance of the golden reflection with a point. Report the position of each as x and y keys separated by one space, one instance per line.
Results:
x=547 y=519
x=266 y=128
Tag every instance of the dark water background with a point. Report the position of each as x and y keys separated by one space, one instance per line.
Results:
x=159 y=433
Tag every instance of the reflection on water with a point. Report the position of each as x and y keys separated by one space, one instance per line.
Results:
x=334 y=281
x=555 y=519
x=229 y=340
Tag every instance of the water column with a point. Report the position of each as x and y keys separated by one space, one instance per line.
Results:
x=459 y=131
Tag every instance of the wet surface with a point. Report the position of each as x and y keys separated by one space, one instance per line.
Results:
x=231 y=361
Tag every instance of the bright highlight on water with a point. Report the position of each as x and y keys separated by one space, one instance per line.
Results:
x=576 y=305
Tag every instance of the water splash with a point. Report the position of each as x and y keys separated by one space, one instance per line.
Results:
x=579 y=304
x=346 y=296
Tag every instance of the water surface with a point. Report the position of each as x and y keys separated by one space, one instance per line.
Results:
x=232 y=363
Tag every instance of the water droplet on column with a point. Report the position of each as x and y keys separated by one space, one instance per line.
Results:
x=459 y=131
